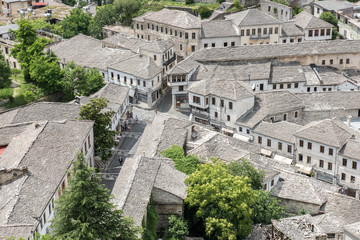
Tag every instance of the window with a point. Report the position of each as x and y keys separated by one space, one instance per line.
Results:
x=259 y=140
x=296 y=114
x=44 y=218
x=138 y=82
x=137 y=26
x=309 y=145
x=296 y=85
x=352 y=179
x=316 y=33
x=193 y=35
x=242 y=33
x=125 y=80
x=321 y=163
x=186 y=35
x=230 y=105
x=308 y=160
x=166 y=31
x=328 y=32
x=152 y=27
x=180 y=47
x=301 y=143
x=265 y=31
x=206 y=100
x=253 y=31
x=170 y=31
x=261 y=86
x=233 y=44
x=269 y=143
x=240 y=129
x=276 y=30
x=323 y=62
x=279 y=145
x=341 y=61
x=322 y=149
x=272 y=182
x=196 y=99
x=344 y=162
x=193 y=48
x=154 y=57
x=315 y=89
x=270 y=30
x=213 y=45
x=354 y=165
x=285 y=117
x=322 y=32
x=259 y=31
x=205 y=45
x=347 y=61
x=118 y=77
x=175 y=33
x=228 y=117
x=300 y=157
x=213 y=101
x=247 y=32
x=289 y=148
x=248 y=131
x=157 y=28
x=281 y=86
x=265 y=187
x=274 y=86
x=299 y=39
x=343 y=176
x=329 y=166
x=331 y=151
x=289 y=85
x=148 y=25
x=215 y=114
x=225 y=44
x=331 y=61
x=144 y=84
x=310 y=33
x=222 y=103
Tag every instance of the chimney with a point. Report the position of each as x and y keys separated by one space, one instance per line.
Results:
x=349 y=120
x=77 y=100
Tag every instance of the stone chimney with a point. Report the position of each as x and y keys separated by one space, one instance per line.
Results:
x=348 y=122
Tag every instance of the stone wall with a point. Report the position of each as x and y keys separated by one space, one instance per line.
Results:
x=8 y=175
x=292 y=206
x=316 y=115
x=277 y=10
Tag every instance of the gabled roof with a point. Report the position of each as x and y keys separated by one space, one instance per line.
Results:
x=351 y=149
x=306 y=20
x=331 y=132
x=353 y=229
x=230 y=89
x=280 y=130
x=334 y=5
x=252 y=17
x=289 y=29
x=214 y=29
x=287 y=73
x=176 y=18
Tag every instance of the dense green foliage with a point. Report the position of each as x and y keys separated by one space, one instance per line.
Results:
x=37 y=237
x=6 y=93
x=283 y=2
x=103 y=135
x=266 y=208
x=244 y=168
x=224 y=201
x=236 y=6
x=186 y=164
x=85 y=211
x=105 y=15
x=204 y=12
x=75 y=23
x=5 y=73
x=188 y=2
x=330 y=18
x=127 y=9
x=177 y=229
x=41 y=24
x=150 y=223
x=69 y=2
x=296 y=10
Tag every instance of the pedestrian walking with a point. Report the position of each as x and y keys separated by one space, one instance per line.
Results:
x=155 y=110
x=136 y=118
x=120 y=160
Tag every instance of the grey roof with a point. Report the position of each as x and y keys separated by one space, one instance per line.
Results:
x=322 y=101
x=306 y=20
x=176 y=18
x=40 y=111
x=287 y=73
x=330 y=76
x=269 y=104
x=134 y=44
x=353 y=229
x=230 y=89
x=280 y=130
x=7 y=133
x=114 y=93
x=88 y=52
x=138 y=65
x=289 y=29
x=334 y=5
x=252 y=17
x=351 y=149
x=266 y=51
x=7 y=28
x=331 y=132
x=47 y=157
x=218 y=29
x=19 y=230
x=185 y=66
x=327 y=223
x=297 y=228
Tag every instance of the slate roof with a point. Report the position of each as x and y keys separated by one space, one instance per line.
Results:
x=283 y=130
x=331 y=132
x=47 y=157
x=252 y=17
x=332 y=76
x=230 y=89
x=218 y=29
x=134 y=44
x=6 y=28
x=353 y=229
x=7 y=133
x=334 y=5
x=40 y=111
x=185 y=66
x=266 y=51
x=322 y=101
x=351 y=149
x=289 y=29
x=287 y=73
x=176 y=18
x=306 y=20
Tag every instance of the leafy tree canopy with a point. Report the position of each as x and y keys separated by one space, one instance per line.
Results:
x=204 y=12
x=266 y=208
x=103 y=135
x=85 y=212
x=77 y=22
x=186 y=164
x=105 y=15
x=329 y=17
x=5 y=73
x=127 y=9
x=177 y=229
x=224 y=201
x=244 y=168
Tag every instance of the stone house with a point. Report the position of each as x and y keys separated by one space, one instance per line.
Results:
x=10 y=7
x=277 y=10
x=352 y=231
x=7 y=42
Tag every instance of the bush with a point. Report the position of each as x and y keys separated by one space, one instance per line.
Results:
x=6 y=93
x=188 y=2
x=150 y=225
x=177 y=229
x=204 y=12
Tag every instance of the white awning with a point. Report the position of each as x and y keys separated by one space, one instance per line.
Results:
x=131 y=92
x=283 y=159
x=304 y=169
x=225 y=130
x=266 y=152
x=241 y=137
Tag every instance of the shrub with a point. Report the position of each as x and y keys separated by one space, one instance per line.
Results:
x=188 y=2
x=204 y=12
x=6 y=93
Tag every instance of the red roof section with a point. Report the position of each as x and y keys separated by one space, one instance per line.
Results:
x=39 y=4
x=2 y=149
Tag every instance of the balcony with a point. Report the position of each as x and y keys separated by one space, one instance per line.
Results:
x=255 y=37
x=169 y=60
x=200 y=114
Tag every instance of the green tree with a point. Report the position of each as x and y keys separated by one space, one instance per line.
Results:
x=41 y=24
x=237 y=6
x=186 y=164
x=266 y=208
x=5 y=73
x=329 y=17
x=283 y=2
x=77 y=22
x=127 y=9
x=224 y=201
x=85 y=211
x=25 y=38
x=37 y=237
x=103 y=135
x=189 y=2
x=105 y=15
x=177 y=229
x=149 y=223
x=204 y=12
x=69 y=2
x=296 y=10
x=244 y=168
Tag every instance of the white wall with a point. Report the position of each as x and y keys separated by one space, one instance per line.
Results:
x=219 y=42
x=349 y=171
x=274 y=144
